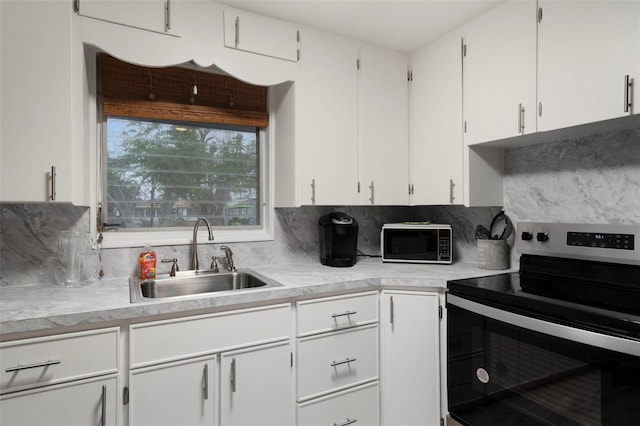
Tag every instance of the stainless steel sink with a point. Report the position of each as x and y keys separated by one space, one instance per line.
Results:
x=190 y=283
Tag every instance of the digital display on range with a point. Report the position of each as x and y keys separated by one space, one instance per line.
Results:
x=601 y=240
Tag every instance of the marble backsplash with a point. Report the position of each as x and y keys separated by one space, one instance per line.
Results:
x=589 y=180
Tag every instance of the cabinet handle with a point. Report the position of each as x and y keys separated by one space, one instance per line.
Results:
x=233 y=375
x=346 y=422
x=520 y=119
x=313 y=192
x=628 y=93
x=53 y=183
x=452 y=185
x=167 y=15
x=372 y=199
x=345 y=313
x=391 y=310
x=346 y=361
x=104 y=405
x=35 y=365
x=237 y=31
x=206 y=381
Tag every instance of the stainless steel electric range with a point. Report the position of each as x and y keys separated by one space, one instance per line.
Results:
x=556 y=343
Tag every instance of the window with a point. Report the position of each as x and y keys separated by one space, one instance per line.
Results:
x=180 y=144
x=165 y=175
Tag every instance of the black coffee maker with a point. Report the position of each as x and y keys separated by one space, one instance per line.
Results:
x=338 y=239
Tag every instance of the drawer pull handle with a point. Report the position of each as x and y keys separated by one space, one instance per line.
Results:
x=28 y=366
x=344 y=314
x=205 y=373
x=233 y=375
x=103 y=401
x=346 y=422
x=346 y=361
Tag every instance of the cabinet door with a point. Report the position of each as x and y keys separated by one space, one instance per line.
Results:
x=89 y=402
x=259 y=34
x=585 y=51
x=500 y=74
x=255 y=386
x=384 y=130
x=435 y=125
x=181 y=393
x=410 y=368
x=35 y=101
x=153 y=15
x=328 y=117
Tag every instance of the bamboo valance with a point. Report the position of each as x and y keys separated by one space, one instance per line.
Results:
x=180 y=94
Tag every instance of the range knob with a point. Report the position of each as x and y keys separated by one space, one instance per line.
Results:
x=542 y=236
x=527 y=236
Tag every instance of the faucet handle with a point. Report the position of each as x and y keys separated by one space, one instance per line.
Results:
x=174 y=266
x=229 y=255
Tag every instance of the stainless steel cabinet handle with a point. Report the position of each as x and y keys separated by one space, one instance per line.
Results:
x=53 y=183
x=167 y=15
x=206 y=381
x=104 y=406
x=628 y=93
x=35 y=365
x=237 y=31
x=391 y=310
x=452 y=185
x=313 y=192
x=345 y=313
x=520 y=119
x=346 y=361
x=233 y=375
x=346 y=422
x=372 y=199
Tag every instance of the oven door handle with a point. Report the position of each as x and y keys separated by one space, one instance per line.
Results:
x=605 y=341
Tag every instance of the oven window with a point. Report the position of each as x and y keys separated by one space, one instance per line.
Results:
x=499 y=374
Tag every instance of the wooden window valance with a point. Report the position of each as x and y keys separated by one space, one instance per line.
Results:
x=168 y=94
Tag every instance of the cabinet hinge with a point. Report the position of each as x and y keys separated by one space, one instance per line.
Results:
x=409 y=75
x=125 y=395
x=440 y=311
x=539 y=14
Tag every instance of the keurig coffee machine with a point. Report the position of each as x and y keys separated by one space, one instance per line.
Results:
x=338 y=239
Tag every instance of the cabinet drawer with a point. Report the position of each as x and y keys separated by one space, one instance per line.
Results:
x=358 y=405
x=48 y=360
x=334 y=313
x=337 y=360
x=171 y=340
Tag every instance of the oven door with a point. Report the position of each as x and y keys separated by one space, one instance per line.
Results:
x=509 y=369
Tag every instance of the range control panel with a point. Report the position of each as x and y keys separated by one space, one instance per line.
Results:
x=601 y=240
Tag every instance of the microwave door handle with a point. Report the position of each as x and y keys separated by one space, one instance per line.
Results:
x=577 y=335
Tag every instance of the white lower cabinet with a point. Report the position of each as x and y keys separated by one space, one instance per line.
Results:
x=255 y=386
x=81 y=403
x=353 y=406
x=171 y=394
x=410 y=361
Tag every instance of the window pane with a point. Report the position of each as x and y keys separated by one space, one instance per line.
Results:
x=168 y=174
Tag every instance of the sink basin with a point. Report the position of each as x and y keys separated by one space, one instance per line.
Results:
x=190 y=283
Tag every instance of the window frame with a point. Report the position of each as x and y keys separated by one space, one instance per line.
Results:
x=122 y=238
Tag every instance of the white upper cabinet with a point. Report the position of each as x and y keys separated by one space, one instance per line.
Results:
x=500 y=73
x=586 y=50
x=38 y=78
x=152 y=15
x=384 y=130
x=328 y=120
x=259 y=34
x=435 y=125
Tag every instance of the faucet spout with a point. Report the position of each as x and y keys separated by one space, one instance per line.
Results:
x=194 y=241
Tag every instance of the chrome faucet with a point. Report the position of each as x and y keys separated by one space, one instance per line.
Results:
x=229 y=255
x=194 y=241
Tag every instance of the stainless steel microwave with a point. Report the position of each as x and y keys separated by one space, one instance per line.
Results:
x=416 y=243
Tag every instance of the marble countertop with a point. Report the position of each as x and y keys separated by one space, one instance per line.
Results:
x=44 y=308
